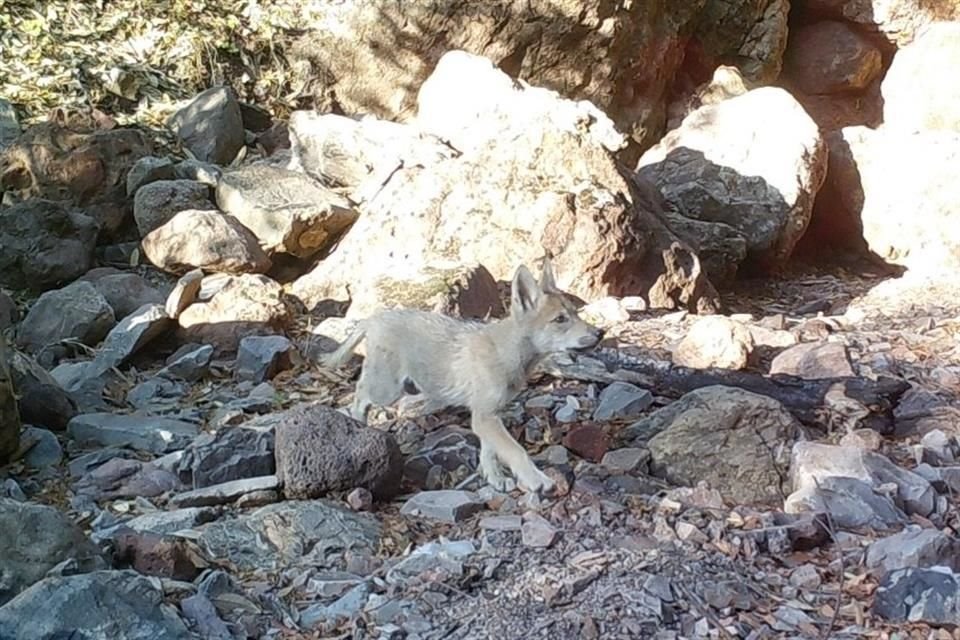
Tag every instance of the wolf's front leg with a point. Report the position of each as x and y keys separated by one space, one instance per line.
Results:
x=499 y=444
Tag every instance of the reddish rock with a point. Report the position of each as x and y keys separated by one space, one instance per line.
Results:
x=589 y=441
x=158 y=555
x=830 y=57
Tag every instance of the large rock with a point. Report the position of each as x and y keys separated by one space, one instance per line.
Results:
x=751 y=35
x=813 y=360
x=898 y=20
x=44 y=244
x=76 y=312
x=149 y=433
x=851 y=504
x=831 y=57
x=467 y=291
x=84 y=166
x=211 y=125
x=753 y=162
x=246 y=304
x=914 y=595
x=103 y=605
x=125 y=292
x=158 y=202
x=582 y=48
x=209 y=240
x=605 y=233
x=813 y=462
x=9 y=411
x=917 y=94
x=731 y=438
x=860 y=207
x=914 y=547
x=286 y=211
x=43 y=401
x=34 y=539
x=319 y=450
x=229 y=454
x=312 y=533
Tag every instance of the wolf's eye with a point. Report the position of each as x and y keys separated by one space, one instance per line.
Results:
x=560 y=319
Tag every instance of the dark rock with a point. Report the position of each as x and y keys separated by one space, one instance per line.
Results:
x=44 y=245
x=158 y=202
x=34 y=539
x=190 y=362
x=451 y=451
x=229 y=454
x=203 y=614
x=129 y=336
x=622 y=400
x=42 y=401
x=9 y=314
x=124 y=292
x=319 y=449
x=589 y=441
x=155 y=554
x=75 y=312
x=146 y=170
x=850 y=502
x=122 y=478
x=119 y=605
x=914 y=547
x=211 y=125
x=45 y=450
x=224 y=493
x=260 y=358
x=914 y=595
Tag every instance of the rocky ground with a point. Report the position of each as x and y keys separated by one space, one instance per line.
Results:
x=764 y=445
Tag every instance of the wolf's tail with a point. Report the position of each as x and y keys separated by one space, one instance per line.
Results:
x=338 y=358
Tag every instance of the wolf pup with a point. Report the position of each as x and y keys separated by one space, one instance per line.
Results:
x=475 y=365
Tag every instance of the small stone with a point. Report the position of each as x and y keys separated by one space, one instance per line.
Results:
x=627 y=460
x=129 y=336
x=146 y=170
x=555 y=455
x=715 y=341
x=445 y=505
x=258 y=498
x=75 y=312
x=938 y=448
x=184 y=293
x=360 y=499
x=805 y=576
x=568 y=412
x=537 y=532
x=866 y=439
x=199 y=610
x=501 y=523
x=190 y=362
x=622 y=400
x=223 y=493
x=589 y=441
x=562 y=483
x=690 y=533
x=260 y=358
x=914 y=547
x=543 y=401
x=45 y=450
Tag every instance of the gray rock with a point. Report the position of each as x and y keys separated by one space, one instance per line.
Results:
x=154 y=391
x=440 y=558
x=319 y=449
x=626 y=460
x=287 y=210
x=123 y=478
x=129 y=336
x=146 y=170
x=225 y=492
x=211 y=125
x=449 y=453
x=34 y=539
x=43 y=402
x=813 y=360
x=721 y=435
x=10 y=489
x=333 y=584
x=158 y=202
x=918 y=595
x=537 y=532
x=622 y=400
x=914 y=547
x=75 y=312
x=555 y=455
x=938 y=448
x=501 y=523
x=103 y=605
x=229 y=454
x=9 y=314
x=288 y=534
x=190 y=362
x=813 y=462
x=81 y=465
x=346 y=606
x=170 y=522
x=85 y=385
x=124 y=292
x=199 y=610
x=149 y=433
x=851 y=503
x=260 y=358
x=567 y=412
x=202 y=172
x=45 y=245
x=445 y=505
x=45 y=450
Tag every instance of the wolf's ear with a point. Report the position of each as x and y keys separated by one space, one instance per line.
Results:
x=547 y=282
x=525 y=292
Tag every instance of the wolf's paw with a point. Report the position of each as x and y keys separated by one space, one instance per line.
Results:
x=497 y=478
x=536 y=481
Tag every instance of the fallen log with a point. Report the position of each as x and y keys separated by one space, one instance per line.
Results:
x=822 y=403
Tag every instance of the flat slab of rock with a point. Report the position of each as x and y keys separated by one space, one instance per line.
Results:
x=149 y=433
x=287 y=211
x=852 y=504
x=103 y=604
x=311 y=533
x=622 y=400
x=814 y=360
x=129 y=336
x=76 y=312
x=229 y=454
x=224 y=493
x=914 y=547
x=918 y=595
x=445 y=505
